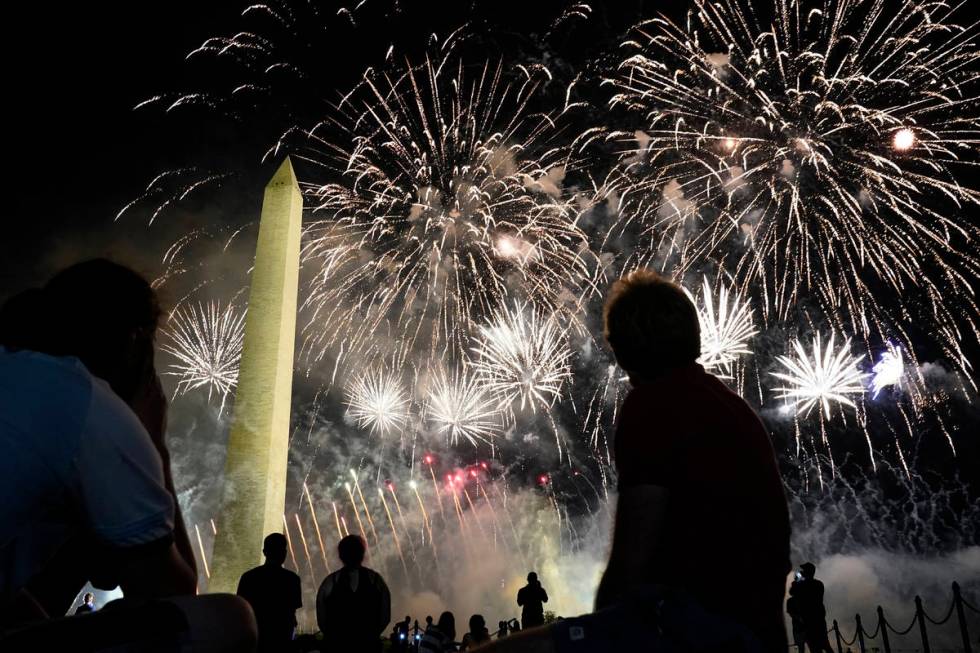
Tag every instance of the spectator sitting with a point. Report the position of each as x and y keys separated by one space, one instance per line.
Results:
x=440 y=638
x=478 y=633
x=85 y=476
x=696 y=469
x=353 y=605
x=274 y=594
x=88 y=604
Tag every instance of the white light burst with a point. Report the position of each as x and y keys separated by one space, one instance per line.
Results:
x=727 y=325
x=460 y=408
x=376 y=401
x=522 y=356
x=888 y=371
x=206 y=340
x=821 y=376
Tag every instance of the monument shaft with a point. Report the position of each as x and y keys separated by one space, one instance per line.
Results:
x=254 y=490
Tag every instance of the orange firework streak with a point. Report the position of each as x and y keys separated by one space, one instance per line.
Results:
x=367 y=512
x=357 y=514
x=316 y=525
x=289 y=541
x=306 y=548
x=204 y=558
x=394 y=533
x=336 y=517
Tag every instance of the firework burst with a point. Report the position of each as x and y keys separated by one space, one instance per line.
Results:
x=377 y=402
x=206 y=341
x=446 y=197
x=821 y=376
x=812 y=153
x=459 y=408
x=522 y=357
x=726 y=328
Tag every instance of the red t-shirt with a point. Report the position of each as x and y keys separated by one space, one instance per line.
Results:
x=725 y=538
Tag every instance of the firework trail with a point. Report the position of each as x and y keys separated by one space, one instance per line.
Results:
x=206 y=341
x=444 y=198
x=812 y=154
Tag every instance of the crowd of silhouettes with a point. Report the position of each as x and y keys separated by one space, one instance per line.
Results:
x=89 y=497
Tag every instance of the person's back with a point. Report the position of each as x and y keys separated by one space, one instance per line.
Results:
x=274 y=594
x=532 y=598
x=353 y=604
x=725 y=536
x=701 y=507
x=806 y=595
x=85 y=476
x=477 y=635
x=439 y=637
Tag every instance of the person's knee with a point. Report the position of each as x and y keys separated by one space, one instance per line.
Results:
x=219 y=623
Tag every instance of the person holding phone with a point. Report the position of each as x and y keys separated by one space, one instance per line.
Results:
x=85 y=473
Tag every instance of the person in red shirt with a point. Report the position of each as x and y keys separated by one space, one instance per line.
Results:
x=700 y=548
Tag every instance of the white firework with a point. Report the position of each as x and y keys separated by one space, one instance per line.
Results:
x=820 y=376
x=460 y=408
x=727 y=325
x=522 y=356
x=206 y=340
x=888 y=371
x=377 y=401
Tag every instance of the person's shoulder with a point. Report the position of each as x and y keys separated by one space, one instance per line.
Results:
x=60 y=375
x=289 y=574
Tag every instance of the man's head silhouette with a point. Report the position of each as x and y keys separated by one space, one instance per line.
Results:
x=351 y=550
x=100 y=312
x=532 y=577
x=808 y=570
x=651 y=324
x=274 y=548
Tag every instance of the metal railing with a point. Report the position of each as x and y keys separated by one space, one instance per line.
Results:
x=922 y=618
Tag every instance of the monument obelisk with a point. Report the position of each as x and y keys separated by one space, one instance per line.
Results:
x=254 y=490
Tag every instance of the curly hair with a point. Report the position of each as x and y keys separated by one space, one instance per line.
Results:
x=651 y=324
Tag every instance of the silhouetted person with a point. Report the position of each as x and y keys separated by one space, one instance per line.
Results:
x=85 y=477
x=478 y=633
x=353 y=605
x=700 y=546
x=806 y=595
x=440 y=637
x=532 y=598
x=274 y=594
x=501 y=629
x=400 y=638
x=88 y=604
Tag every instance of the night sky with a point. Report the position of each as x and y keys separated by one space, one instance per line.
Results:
x=77 y=151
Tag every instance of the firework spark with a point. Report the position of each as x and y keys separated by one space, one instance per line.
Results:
x=445 y=196
x=206 y=340
x=522 y=356
x=815 y=152
x=726 y=328
x=376 y=401
x=460 y=408
x=821 y=376
x=888 y=371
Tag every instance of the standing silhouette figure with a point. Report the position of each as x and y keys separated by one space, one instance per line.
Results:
x=806 y=603
x=531 y=598
x=353 y=606
x=274 y=594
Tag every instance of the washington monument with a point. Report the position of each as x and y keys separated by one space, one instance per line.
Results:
x=254 y=491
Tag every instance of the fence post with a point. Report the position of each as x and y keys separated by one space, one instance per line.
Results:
x=961 y=617
x=860 y=633
x=840 y=645
x=883 y=627
x=921 y=616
